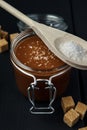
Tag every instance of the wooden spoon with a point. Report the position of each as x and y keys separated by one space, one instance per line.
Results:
x=52 y=37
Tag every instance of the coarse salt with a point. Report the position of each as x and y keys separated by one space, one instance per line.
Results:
x=73 y=51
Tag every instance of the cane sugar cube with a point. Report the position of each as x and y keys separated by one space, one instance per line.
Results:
x=3 y=45
x=0 y=31
x=4 y=35
x=83 y=128
x=81 y=108
x=71 y=117
x=12 y=36
x=67 y=103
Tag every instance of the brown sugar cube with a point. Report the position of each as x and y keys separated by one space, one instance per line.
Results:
x=83 y=128
x=67 y=103
x=0 y=31
x=12 y=36
x=3 y=45
x=81 y=108
x=71 y=117
x=4 y=35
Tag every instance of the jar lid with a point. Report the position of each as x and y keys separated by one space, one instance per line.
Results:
x=48 y=19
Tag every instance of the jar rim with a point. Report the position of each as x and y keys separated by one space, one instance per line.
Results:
x=21 y=36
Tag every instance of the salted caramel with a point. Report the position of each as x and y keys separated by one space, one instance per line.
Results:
x=33 y=53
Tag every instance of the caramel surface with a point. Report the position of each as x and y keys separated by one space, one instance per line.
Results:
x=34 y=53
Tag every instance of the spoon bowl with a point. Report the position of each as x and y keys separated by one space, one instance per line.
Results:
x=72 y=50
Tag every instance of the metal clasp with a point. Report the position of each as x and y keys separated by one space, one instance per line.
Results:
x=31 y=96
x=52 y=90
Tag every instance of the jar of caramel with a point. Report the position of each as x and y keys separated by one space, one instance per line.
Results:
x=39 y=74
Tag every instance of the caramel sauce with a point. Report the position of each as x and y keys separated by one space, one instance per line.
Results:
x=34 y=53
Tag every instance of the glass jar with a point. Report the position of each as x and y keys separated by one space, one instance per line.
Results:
x=52 y=20
x=38 y=84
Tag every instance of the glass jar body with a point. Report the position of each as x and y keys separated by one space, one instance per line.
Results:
x=25 y=76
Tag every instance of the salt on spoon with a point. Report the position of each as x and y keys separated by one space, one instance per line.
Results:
x=73 y=51
x=69 y=48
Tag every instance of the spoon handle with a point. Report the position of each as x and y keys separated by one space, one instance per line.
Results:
x=16 y=13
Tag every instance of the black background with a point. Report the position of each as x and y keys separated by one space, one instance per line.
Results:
x=14 y=107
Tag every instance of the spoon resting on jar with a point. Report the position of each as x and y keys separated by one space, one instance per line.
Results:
x=68 y=47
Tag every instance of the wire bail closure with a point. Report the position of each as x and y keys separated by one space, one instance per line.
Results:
x=31 y=96
x=52 y=91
